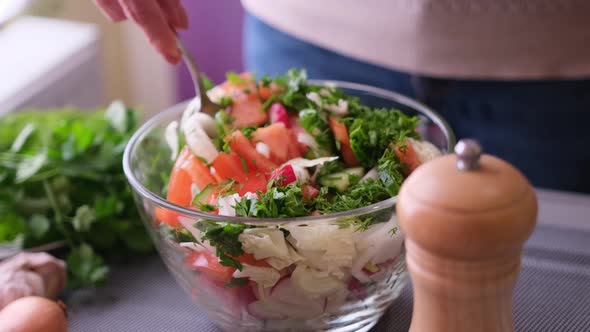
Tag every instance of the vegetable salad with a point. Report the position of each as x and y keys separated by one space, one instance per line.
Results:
x=284 y=148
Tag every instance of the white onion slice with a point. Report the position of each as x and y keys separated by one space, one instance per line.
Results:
x=197 y=139
x=306 y=139
x=311 y=162
x=371 y=174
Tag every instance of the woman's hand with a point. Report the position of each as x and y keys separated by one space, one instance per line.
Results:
x=157 y=18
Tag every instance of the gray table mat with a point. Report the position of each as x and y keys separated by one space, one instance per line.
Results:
x=552 y=294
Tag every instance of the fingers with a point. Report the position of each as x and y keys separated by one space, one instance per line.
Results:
x=175 y=13
x=151 y=19
x=111 y=9
x=183 y=18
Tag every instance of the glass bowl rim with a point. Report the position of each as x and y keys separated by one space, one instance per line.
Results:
x=145 y=193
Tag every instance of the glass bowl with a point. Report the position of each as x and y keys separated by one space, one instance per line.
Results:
x=330 y=272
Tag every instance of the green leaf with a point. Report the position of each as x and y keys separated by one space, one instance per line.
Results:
x=68 y=150
x=83 y=219
x=207 y=83
x=181 y=235
x=11 y=225
x=224 y=237
x=22 y=137
x=85 y=266
x=116 y=115
x=225 y=101
x=83 y=136
x=39 y=225
x=248 y=131
x=30 y=166
x=390 y=173
x=107 y=207
x=234 y=78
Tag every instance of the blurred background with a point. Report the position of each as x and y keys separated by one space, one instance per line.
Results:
x=55 y=53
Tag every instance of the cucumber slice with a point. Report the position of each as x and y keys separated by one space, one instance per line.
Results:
x=342 y=180
x=202 y=196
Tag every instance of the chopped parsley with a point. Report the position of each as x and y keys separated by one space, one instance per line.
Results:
x=205 y=207
x=181 y=235
x=315 y=123
x=277 y=202
x=225 y=101
x=359 y=195
x=248 y=131
x=234 y=78
x=390 y=171
x=372 y=131
x=224 y=237
x=360 y=224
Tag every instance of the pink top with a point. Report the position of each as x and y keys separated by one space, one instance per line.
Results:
x=493 y=39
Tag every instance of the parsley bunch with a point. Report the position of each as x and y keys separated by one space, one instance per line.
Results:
x=61 y=182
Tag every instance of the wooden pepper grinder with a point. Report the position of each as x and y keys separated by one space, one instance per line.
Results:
x=465 y=217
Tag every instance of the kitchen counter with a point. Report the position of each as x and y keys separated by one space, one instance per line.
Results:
x=552 y=294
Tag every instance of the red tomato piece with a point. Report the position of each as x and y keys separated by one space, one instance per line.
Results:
x=242 y=146
x=407 y=155
x=246 y=105
x=280 y=140
x=249 y=259
x=266 y=92
x=341 y=135
x=188 y=170
x=255 y=182
x=246 y=111
x=196 y=168
x=208 y=264
x=229 y=166
x=309 y=191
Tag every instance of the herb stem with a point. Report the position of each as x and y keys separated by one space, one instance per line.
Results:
x=57 y=213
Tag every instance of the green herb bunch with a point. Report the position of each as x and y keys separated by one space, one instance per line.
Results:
x=62 y=183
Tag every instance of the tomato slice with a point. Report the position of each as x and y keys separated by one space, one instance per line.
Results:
x=308 y=191
x=255 y=182
x=281 y=141
x=196 y=168
x=341 y=135
x=230 y=166
x=249 y=259
x=246 y=111
x=407 y=156
x=208 y=264
x=187 y=170
x=242 y=146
